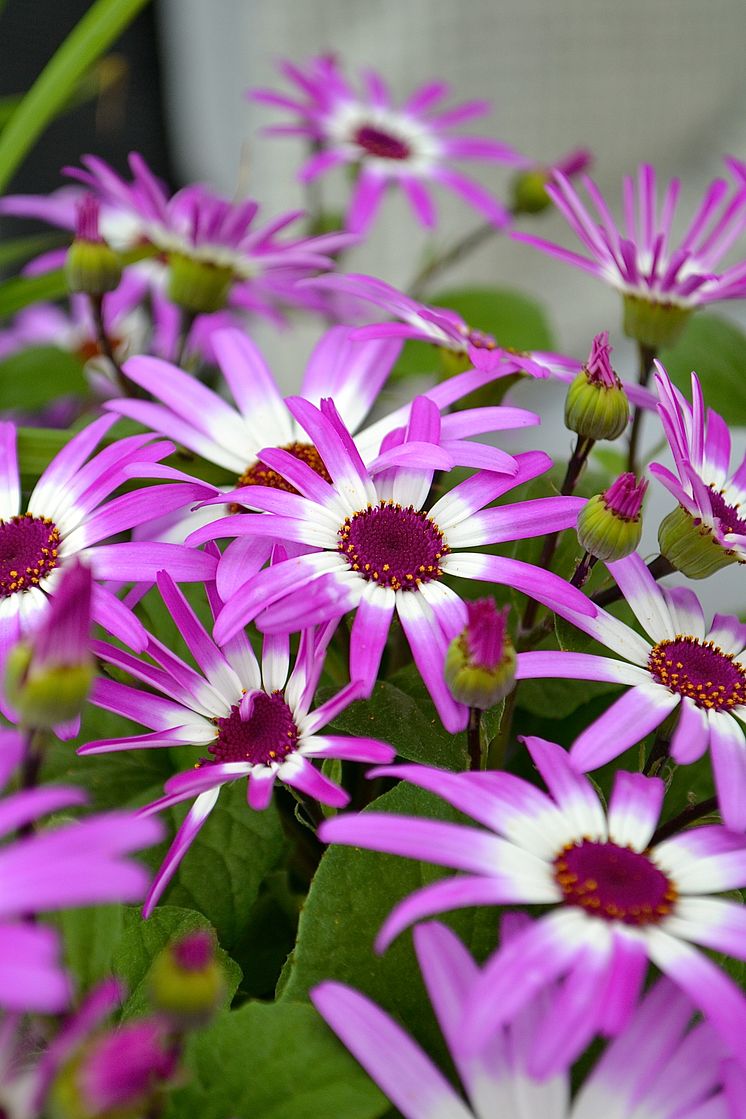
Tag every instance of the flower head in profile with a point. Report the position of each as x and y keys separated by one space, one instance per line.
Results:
x=683 y=665
x=650 y=1069
x=661 y=282
x=412 y=146
x=68 y=515
x=82 y=863
x=706 y=531
x=437 y=325
x=373 y=546
x=615 y=897
x=252 y=721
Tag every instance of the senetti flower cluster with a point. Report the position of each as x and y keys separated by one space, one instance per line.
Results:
x=395 y=728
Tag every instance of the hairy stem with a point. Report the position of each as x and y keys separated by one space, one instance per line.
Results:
x=686 y=816
x=474 y=739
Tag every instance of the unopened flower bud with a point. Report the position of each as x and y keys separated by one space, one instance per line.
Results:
x=610 y=524
x=529 y=194
x=596 y=406
x=690 y=547
x=187 y=982
x=91 y=266
x=48 y=675
x=119 y=1075
x=199 y=286
x=481 y=662
x=654 y=324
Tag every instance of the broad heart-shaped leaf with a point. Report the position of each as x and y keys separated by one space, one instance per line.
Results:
x=140 y=942
x=514 y=319
x=223 y=869
x=716 y=350
x=38 y=376
x=352 y=893
x=403 y=715
x=273 y=1061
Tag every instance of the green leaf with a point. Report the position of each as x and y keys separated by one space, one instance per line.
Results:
x=140 y=942
x=223 y=869
x=89 y=937
x=21 y=291
x=273 y=1061
x=38 y=375
x=514 y=319
x=352 y=893
x=408 y=722
x=716 y=350
x=20 y=249
x=100 y=26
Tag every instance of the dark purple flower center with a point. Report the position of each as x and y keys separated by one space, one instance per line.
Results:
x=699 y=670
x=28 y=552
x=268 y=735
x=614 y=883
x=728 y=515
x=382 y=144
x=393 y=546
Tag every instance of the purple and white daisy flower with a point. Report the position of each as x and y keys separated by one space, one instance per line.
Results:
x=700 y=443
x=663 y=1065
x=639 y=258
x=66 y=516
x=257 y=267
x=255 y=722
x=376 y=550
x=83 y=863
x=618 y=899
x=682 y=664
x=411 y=146
x=353 y=373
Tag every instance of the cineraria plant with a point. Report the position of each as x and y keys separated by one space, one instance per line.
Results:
x=285 y=675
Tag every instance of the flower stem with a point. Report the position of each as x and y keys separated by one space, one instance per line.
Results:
x=686 y=816
x=451 y=256
x=474 y=738
x=187 y=322
x=578 y=459
x=658 y=568
x=104 y=342
x=501 y=741
x=647 y=357
x=658 y=754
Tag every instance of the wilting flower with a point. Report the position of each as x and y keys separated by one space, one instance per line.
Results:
x=707 y=531
x=409 y=146
x=377 y=551
x=83 y=863
x=684 y=664
x=661 y=283
x=254 y=721
x=617 y=898
x=663 y=1066
x=66 y=517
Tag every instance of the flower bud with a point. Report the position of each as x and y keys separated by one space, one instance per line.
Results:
x=654 y=324
x=48 y=675
x=610 y=524
x=481 y=662
x=91 y=266
x=187 y=982
x=689 y=546
x=118 y=1075
x=199 y=286
x=528 y=190
x=596 y=406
